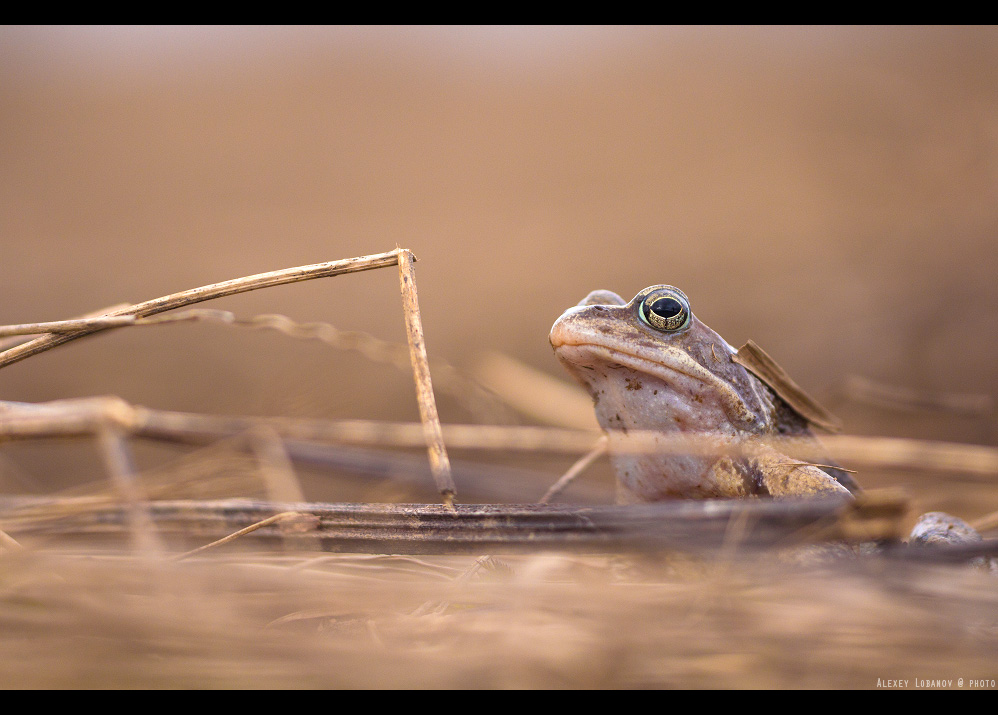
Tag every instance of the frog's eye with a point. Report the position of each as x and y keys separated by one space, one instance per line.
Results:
x=665 y=310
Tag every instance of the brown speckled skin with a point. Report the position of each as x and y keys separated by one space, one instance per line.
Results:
x=641 y=378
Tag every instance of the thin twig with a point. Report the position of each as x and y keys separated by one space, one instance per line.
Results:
x=208 y=292
x=816 y=464
x=439 y=463
x=242 y=532
x=481 y=401
x=575 y=470
x=9 y=542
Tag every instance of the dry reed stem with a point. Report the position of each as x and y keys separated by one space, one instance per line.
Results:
x=432 y=433
x=693 y=525
x=208 y=292
x=83 y=416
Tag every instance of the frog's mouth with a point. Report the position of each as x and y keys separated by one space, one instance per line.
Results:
x=582 y=357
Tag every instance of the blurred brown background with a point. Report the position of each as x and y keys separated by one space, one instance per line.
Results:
x=828 y=192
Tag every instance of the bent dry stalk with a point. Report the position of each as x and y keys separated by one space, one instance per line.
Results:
x=94 y=420
x=203 y=293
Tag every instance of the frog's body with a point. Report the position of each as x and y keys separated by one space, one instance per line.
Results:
x=650 y=364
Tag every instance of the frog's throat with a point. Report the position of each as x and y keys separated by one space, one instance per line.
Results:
x=672 y=360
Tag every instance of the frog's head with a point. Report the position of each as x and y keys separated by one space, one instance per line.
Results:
x=651 y=364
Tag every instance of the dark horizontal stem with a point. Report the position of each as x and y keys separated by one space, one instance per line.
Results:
x=491 y=528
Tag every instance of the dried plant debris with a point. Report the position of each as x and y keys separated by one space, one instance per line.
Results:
x=111 y=416
x=758 y=361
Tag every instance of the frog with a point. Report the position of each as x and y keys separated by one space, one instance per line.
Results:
x=650 y=364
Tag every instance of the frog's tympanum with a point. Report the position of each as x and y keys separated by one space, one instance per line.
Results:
x=650 y=364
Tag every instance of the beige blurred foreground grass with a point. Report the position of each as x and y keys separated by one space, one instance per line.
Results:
x=544 y=621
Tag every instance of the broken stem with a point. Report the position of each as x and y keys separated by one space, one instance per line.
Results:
x=432 y=432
